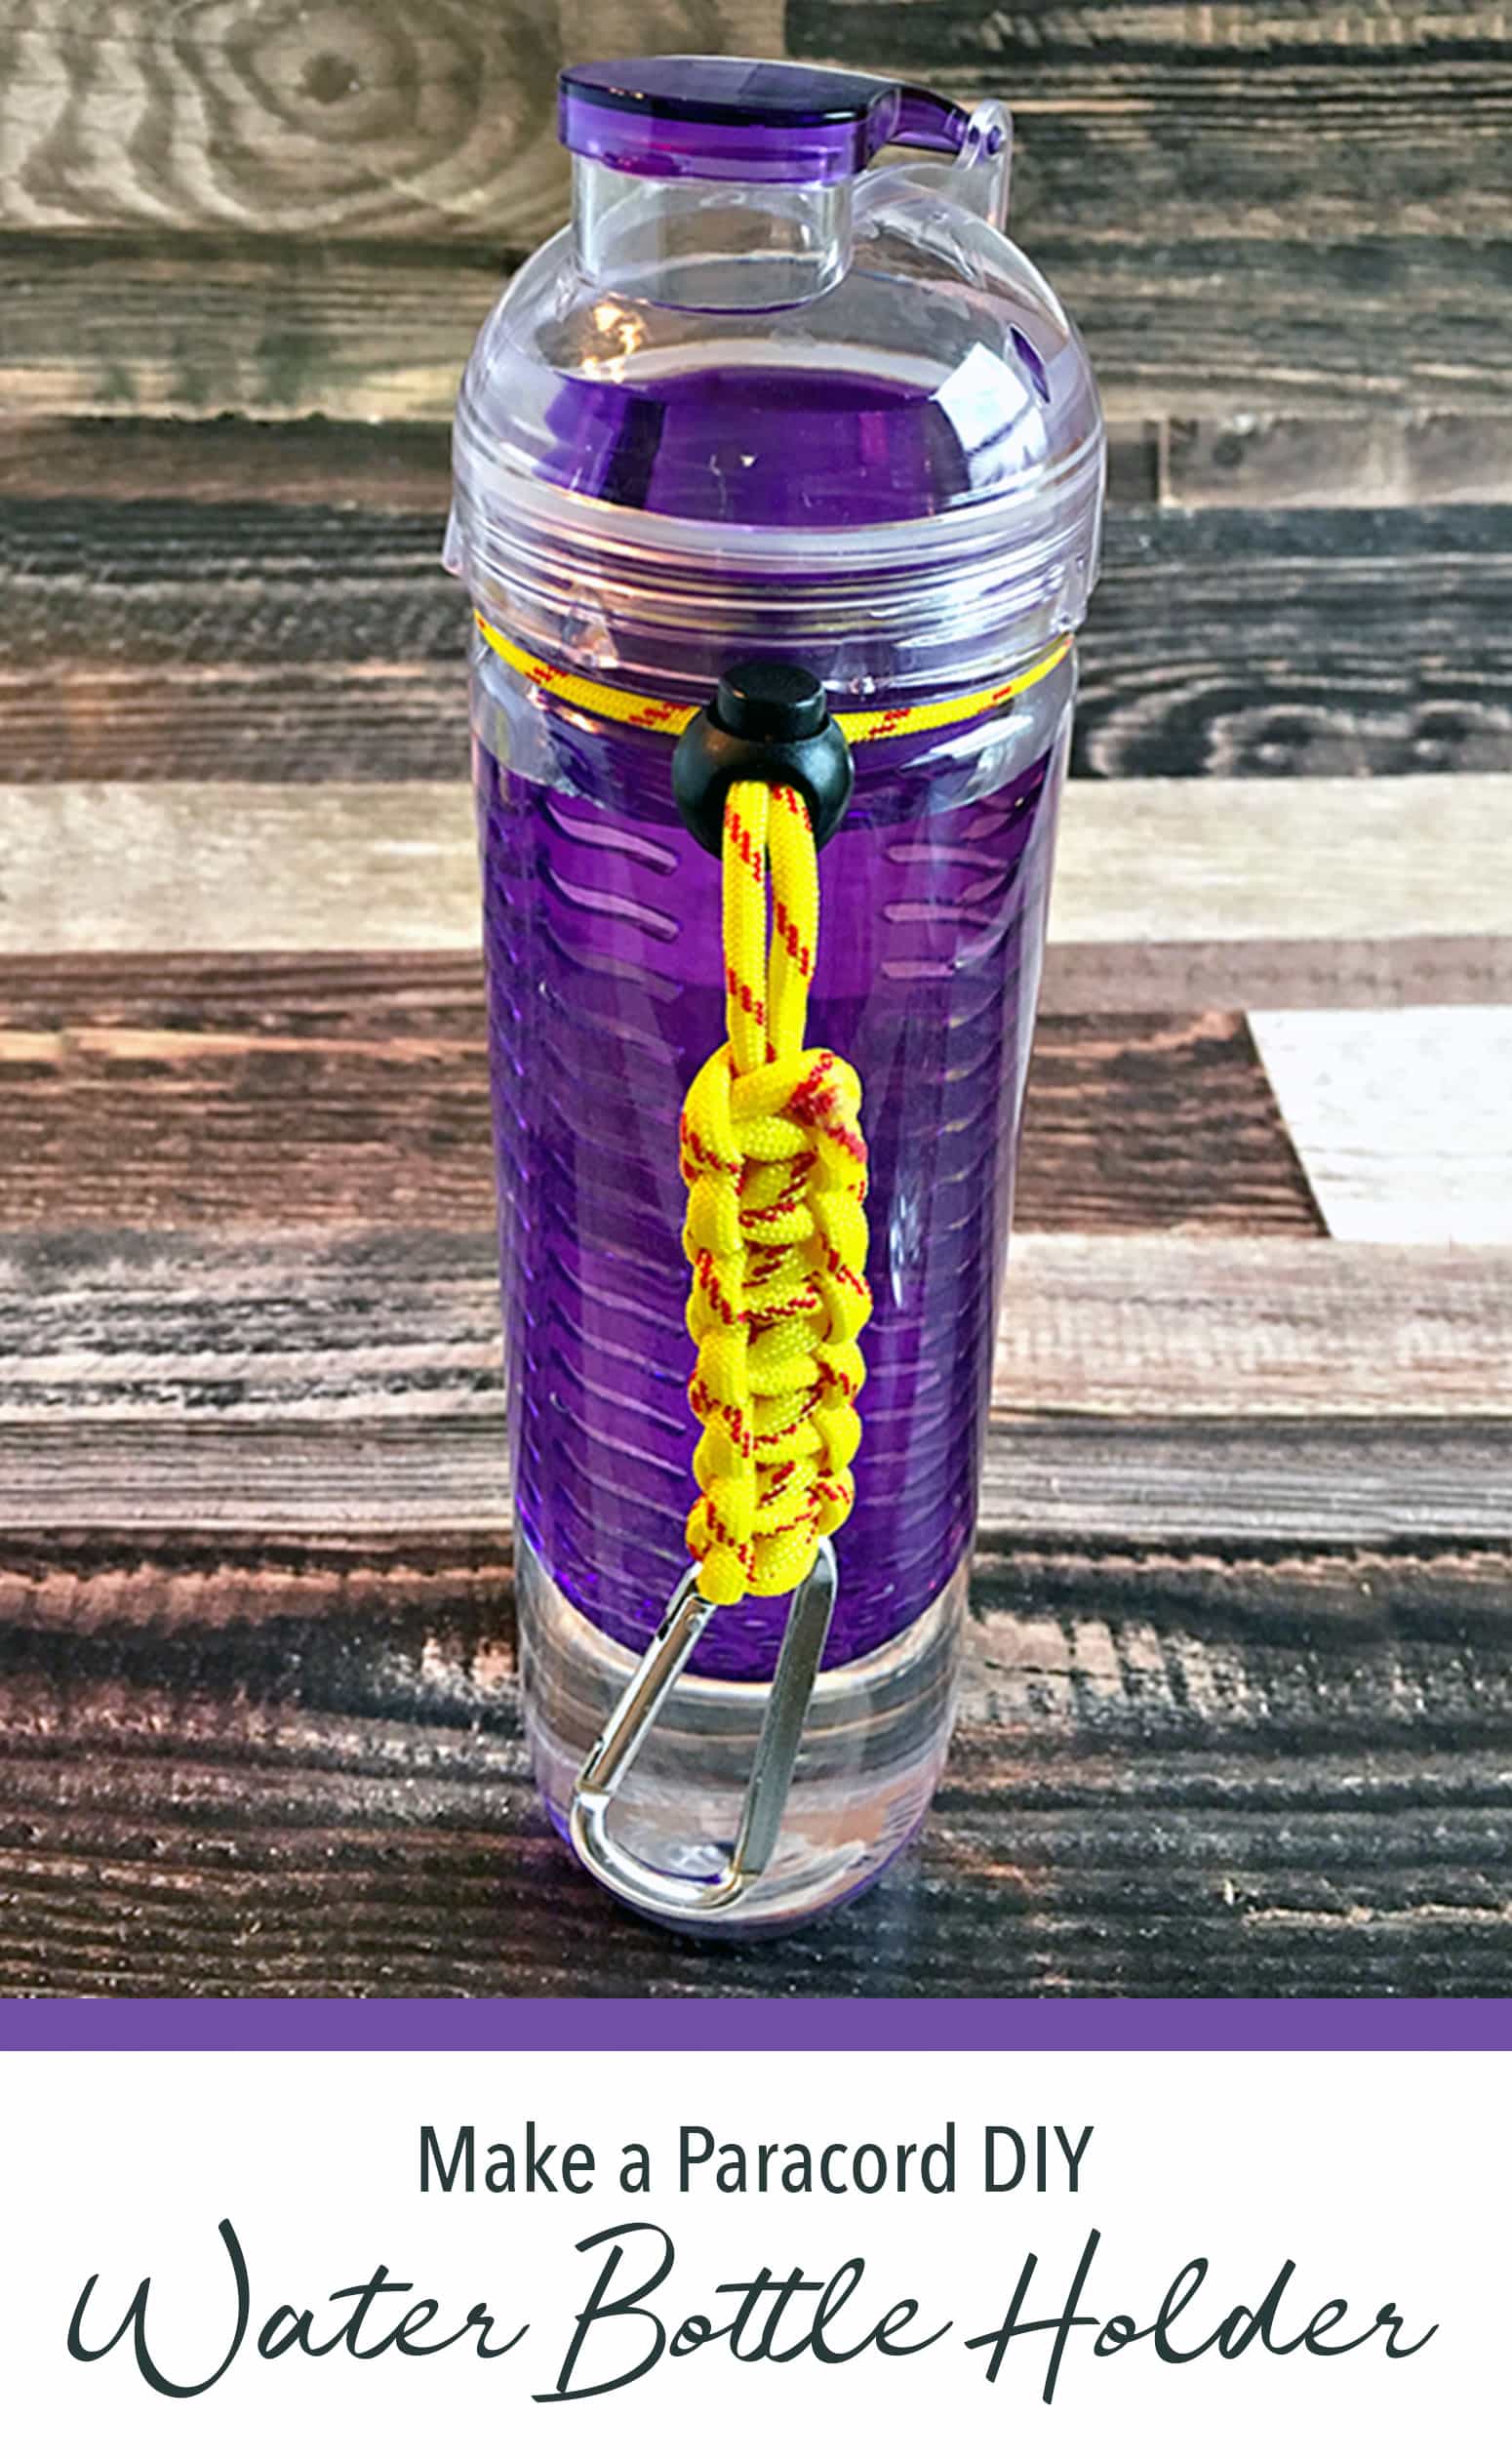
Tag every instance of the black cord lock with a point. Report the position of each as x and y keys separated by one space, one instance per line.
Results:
x=768 y=721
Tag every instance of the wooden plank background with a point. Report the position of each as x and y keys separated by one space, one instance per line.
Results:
x=1238 y=1708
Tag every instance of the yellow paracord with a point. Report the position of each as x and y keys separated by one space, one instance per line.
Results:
x=775 y=1163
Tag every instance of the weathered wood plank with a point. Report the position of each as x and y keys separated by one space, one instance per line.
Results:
x=130 y=1327
x=247 y=867
x=300 y=642
x=1223 y=1389
x=296 y=1770
x=1185 y=328
x=1082 y=1480
x=411 y=120
x=390 y=466
x=1193 y=1480
x=226 y=1091
x=1157 y=859
x=1384 y=459
x=1472 y=971
x=402 y=118
x=1159 y=164
x=385 y=465
x=267 y=327
x=1404 y=1121
x=362 y=1475
x=1136 y=457
x=1170 y=894
x=1245 y=1327
x=1230 y=329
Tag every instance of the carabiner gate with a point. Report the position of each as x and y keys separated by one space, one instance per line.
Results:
x=692 y=1903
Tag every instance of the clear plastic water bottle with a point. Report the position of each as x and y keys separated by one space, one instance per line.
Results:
x=767 y=397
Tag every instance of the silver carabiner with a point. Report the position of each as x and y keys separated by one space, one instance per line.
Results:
x=694 y=1902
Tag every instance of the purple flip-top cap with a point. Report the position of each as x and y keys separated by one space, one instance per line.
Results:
x=766 y=120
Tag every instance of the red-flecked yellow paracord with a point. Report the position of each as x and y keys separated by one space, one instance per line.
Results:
x=776 y=1169
x=775 y=1163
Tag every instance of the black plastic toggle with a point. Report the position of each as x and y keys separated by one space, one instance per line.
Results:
x=770 y=721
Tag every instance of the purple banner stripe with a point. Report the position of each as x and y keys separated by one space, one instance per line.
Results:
x=766 y=2023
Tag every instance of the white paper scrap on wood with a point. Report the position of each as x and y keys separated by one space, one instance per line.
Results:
x=1402 y=1118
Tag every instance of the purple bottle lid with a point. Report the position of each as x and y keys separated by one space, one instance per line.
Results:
x=765 y=120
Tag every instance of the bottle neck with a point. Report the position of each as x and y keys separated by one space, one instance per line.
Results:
x=724 y=245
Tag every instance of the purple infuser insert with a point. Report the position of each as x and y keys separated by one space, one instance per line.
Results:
x=763 y=398
x=603 y=949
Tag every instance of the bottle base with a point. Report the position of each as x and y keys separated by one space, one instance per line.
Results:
x=874 y=1743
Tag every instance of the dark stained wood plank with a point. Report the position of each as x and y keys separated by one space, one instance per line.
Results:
x=302 y=642
x=1398 y=1643
x=288 y=1769
x=95 y=584
x=310 y=720
x=1173 y=1114
x=1139 y=1643
x=140 y=642
x=1304 y=643
x=288 y=1090
x=1239 y=123
x=302 y=992
x=213 y=1093
x=1182 y=328
x=1378 y=1891
x=393 y=1623
x=298 y=992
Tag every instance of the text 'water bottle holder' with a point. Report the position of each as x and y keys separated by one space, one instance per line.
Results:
x=773 y=1159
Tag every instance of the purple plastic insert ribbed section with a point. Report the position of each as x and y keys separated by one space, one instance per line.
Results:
x=772 y=122
x=605 y=964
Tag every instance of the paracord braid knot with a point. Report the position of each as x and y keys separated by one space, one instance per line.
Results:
x=774 y=1162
